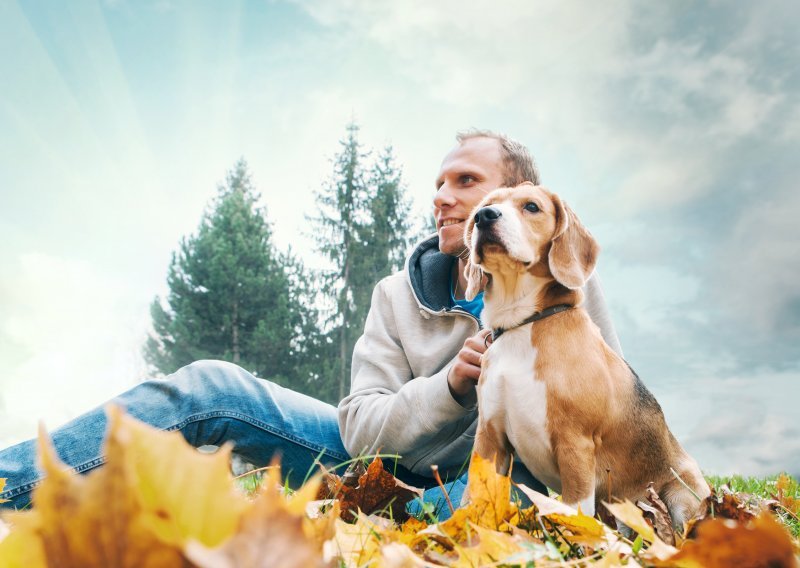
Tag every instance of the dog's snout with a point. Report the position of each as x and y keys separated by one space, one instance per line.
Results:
x=486 y=216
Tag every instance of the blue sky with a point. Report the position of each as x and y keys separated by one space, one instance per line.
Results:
x=673 y=130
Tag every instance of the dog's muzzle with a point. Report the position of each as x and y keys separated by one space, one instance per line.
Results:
x=487 y=216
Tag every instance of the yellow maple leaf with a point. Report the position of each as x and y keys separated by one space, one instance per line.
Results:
x=580 y=524
x=22 y=547
x=489 y=493
x=633 y=517
x=92 y=520
x=184 y=494
x=491 y=548
x=2 y=485
x=357 y=544
x=273 y=533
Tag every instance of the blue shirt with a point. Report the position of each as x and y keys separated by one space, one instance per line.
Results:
x=474 y=306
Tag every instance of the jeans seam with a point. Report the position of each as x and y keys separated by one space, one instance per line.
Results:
x=182 y=424
x=258 y=424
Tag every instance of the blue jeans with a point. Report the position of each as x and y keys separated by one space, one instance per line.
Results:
x=211 y=402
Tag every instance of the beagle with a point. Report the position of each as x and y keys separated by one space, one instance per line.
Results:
x=550 y=388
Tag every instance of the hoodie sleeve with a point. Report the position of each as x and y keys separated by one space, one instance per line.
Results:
x=595 y=306
x=388 y=408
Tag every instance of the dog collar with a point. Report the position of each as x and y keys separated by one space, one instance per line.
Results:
x=552 y=310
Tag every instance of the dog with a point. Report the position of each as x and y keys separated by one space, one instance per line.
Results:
x=551 y=390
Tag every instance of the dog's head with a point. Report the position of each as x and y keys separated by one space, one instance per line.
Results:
x=528 y=228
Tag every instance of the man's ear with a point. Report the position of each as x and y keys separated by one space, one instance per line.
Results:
x=573 y=251
x=474 y=275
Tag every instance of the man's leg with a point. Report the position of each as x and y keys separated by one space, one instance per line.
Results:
x=210 y=402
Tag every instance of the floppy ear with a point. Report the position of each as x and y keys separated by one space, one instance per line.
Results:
x=573 y=251
x=474 y=275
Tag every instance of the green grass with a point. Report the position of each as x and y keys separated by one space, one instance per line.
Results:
x=763 y=487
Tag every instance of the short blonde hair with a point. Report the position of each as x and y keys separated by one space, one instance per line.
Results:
x=517 y=161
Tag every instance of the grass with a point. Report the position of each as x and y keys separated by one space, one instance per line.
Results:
x=765 y=488
x=761 y=487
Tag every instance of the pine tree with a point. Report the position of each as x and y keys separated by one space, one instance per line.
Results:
x=230 y=293
x=385 y=236
x=338 y=230
x=362 y=230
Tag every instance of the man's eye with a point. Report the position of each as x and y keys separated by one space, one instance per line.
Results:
x=467 y=179
x=531 y=206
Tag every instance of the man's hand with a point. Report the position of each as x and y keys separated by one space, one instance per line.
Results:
x=464 y=373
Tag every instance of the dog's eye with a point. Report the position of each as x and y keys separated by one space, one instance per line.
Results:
x=532 y=207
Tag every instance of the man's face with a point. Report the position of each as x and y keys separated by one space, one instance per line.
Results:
x=468 y=172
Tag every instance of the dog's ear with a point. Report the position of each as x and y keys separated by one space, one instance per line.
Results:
x=573 y=251
x=474 y=276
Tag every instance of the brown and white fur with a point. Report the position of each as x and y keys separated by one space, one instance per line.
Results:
x=553 y=391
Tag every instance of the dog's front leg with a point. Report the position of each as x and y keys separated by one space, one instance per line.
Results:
x=576 y=465
x=490 y=444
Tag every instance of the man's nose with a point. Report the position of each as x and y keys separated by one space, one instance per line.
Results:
x=486 y=216
x=444 y=197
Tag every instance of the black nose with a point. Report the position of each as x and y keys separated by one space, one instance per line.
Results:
x=486 y=216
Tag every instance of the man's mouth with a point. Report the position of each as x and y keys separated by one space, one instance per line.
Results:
x=448 y=222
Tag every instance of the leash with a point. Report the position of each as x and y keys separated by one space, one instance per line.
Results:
x=547 y=312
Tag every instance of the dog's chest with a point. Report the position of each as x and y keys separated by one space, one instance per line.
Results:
x=513 y=399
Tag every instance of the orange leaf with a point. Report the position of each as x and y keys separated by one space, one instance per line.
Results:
x=377 y=490
x=722 y=543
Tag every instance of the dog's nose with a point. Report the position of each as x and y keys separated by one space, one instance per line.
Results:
x=486 y=216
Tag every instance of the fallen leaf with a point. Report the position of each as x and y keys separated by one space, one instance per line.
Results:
x=2 y=485
x=491 y=548
x=22 y=547
x=489 y=493
x=355 y=544
x=658 y=516
x=94 y=519
x=722 y=543
x=632 y=516
x=782 y=486
x=377 y=490
x=185 y=495
x=273 y=533
x=545 y=504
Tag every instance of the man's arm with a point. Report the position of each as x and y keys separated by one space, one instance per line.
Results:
x=389 y=409
x=595 y=306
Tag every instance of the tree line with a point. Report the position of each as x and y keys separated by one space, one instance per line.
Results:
x=234 y=296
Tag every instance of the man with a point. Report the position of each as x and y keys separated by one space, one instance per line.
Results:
x=414 y=369
x=416 y=366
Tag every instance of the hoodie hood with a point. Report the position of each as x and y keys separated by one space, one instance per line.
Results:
x=428 y=273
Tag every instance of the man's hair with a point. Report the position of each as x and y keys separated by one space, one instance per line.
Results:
x=517 y=161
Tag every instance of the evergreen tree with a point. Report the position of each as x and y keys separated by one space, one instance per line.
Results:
x=231 y=294
x=338 y=230
x=385 y=235
x=362 y=230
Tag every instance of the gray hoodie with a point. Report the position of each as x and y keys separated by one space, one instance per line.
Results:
x=399 y=400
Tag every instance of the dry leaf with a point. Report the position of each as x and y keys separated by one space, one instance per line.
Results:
x=489 y=493
x=782 y=485
x=273 y=533
x=545 y=504
x=490 y=548
x=722 y=543
x=185 y=495
x=632 y=516
x=377 y=490
x=91 y=520
x=658 y=514
x=22 y=547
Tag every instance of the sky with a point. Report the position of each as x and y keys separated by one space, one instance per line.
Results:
x=671 y=128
